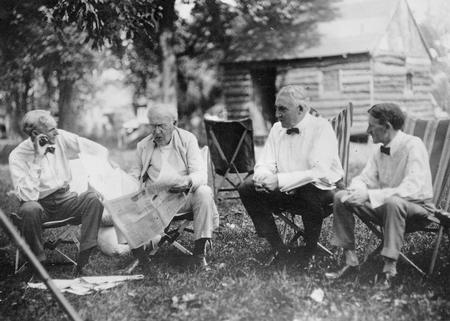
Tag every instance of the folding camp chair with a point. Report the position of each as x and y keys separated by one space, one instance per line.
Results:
x=66 y=236
x=436 y=137
x=182 y=222
x=232 y=152
x=341 y=125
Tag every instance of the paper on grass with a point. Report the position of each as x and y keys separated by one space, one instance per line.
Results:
x=89 y=284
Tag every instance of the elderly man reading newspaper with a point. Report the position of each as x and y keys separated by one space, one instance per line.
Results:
x=170 y=168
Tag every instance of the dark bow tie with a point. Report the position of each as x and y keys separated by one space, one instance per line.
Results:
x=385 y=150
x=293 y=130
x=50 y=149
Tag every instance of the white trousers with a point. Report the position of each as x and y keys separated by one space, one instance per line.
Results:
x=206 y=217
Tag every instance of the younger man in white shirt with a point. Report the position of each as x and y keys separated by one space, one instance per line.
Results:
x=394 y=188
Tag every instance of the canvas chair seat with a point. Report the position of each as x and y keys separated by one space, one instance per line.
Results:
x=341 y=125
x=53 y=243
x=436 y=136
x=232 y=152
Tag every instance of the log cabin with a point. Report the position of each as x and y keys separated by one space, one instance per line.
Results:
x=370 y=51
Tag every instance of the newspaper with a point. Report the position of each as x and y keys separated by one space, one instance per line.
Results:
x=88 y=284
x=142 y=216
x=321 y=183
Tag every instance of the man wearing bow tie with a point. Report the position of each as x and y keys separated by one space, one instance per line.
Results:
x=298 y=169
x=393 y=188
x=41 y=175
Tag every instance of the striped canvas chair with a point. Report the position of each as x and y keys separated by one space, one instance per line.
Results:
x=436 y=136
x=341 y=124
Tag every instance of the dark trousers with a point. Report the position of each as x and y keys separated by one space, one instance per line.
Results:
x=312 y=203
x=62 y=204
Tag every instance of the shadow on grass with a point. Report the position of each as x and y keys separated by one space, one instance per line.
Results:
x=239 y=287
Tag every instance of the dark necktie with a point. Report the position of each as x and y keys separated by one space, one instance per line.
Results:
x=50 y=149
x=293 y=130
x=385 y=150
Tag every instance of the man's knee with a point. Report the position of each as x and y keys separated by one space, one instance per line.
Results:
x=394 y=202
x=92 y=199
x=203 y=193
x=337 y=199
x=246 y=187
x=30 y=212
x=395 y=205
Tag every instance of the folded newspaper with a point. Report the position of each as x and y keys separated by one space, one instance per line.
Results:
x=321 y=183
x=142 y=216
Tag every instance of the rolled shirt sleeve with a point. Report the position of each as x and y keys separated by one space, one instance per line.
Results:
x=25 y=177
x=266 y=164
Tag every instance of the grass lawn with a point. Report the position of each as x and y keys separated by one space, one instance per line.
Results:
x=239 y=287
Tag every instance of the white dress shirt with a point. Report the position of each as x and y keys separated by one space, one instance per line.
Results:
x=404 y=173
x=311 y=154
x=35 y=181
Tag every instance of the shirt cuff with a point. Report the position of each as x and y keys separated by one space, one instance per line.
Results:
x=292 y=178
x=376 y=197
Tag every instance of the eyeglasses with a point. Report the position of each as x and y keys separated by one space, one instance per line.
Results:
x=165 y=126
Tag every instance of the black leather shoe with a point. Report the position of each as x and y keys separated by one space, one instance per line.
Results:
x=345 y=271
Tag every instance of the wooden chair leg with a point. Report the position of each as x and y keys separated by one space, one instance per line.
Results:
x=418 y=269
x=436 y=249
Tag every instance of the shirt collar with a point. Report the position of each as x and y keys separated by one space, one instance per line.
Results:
x=395 y=143
x=304 y=122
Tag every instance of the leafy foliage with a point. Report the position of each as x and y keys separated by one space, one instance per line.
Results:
x=109 y=20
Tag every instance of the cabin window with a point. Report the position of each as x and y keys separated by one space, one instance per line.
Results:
x=409 y=83
x=331 y=81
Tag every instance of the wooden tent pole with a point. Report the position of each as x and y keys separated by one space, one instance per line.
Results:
x=39 y=268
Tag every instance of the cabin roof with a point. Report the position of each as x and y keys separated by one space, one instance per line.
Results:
x=356 y=28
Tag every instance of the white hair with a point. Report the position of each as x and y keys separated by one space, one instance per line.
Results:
x=35 y=119
x=294 y=94
x=162 y=109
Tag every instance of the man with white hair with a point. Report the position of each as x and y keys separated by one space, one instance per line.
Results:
x=169 y=148
x=41 y=175
x=300 y=156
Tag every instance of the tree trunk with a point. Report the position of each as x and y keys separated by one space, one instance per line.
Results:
x=17 y=107
x=168 y=58
x=14 y=115
x=67 y=116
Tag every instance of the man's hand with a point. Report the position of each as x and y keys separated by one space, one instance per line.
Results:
x=183 y=186
x=259 y=187
x=271 y=182
x=267 y=183
x=39 y=151
x=356 y=197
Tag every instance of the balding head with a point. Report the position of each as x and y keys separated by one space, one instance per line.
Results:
x=37 y=119
x=162 y=119
x=164 y=110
